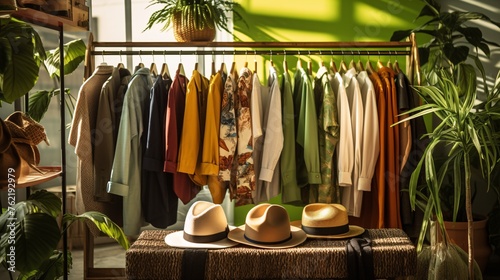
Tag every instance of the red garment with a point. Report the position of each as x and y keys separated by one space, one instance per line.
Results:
x=184 y=187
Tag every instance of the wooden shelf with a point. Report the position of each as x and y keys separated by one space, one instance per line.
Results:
x=35 y=177
x=47 y=20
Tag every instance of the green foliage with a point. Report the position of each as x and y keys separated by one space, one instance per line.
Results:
x=20 y=50
x=33 y=223
x=39 y=101
x=447 y=29
x=451 y=40
x=211 y=13
x=464 y=131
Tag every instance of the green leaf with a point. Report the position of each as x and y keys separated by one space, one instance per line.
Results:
x=472 y=34
x=456 y=54
x=19 y=68
x=74 y=54
x=37 y=236
x=39 y=104
x=51 y=268
x=47 y=202
x=427 y=10
x=103 y=223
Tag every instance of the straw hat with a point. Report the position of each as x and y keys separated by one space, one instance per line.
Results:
x=205 y=227
x=322 y=220
x=268 y=226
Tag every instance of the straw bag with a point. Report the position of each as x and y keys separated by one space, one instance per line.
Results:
x=186 y=31
x=26 y=134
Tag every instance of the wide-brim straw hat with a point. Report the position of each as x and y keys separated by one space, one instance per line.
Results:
x=330 y=221
x=205 y=227
x=268 y=226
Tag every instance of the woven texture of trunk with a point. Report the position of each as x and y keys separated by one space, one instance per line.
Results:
x=393 y=256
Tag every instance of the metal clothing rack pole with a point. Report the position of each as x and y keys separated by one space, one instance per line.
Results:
x=408 y=49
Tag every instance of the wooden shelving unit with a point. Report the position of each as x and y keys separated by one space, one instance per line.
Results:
x=47 y=20
x=35 y=178
x=60 y=24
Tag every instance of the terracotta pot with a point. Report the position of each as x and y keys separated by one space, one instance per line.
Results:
x=457 y=231
x=187 y=32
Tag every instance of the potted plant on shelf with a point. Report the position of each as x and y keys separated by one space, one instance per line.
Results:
x=467 y=132
x=193 y=20
x=29 y=233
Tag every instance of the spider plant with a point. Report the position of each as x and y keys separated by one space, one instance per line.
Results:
x=466 y=132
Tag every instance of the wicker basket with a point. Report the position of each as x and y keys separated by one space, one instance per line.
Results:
x=189 y=33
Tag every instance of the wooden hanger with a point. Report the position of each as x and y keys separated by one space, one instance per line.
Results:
x=299 y=62
x=233 y=68
x=389 y=63
x=396 y=67
x=165 y=73
x=369 y=67
x=352 y=65
x=153 y=70
x=180 y=69
x=333 y=66
x=285 y=64
x=359 y=65
x=223 y=69
x=379 y=63
x=255 y=61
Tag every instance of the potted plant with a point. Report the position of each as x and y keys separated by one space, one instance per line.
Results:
x=467 y=133
x=29 y=235
x=193 y=20
x=449 y=93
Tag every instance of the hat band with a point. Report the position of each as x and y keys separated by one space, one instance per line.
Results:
x=267 y=243
x=206 y=238
x=326 y=230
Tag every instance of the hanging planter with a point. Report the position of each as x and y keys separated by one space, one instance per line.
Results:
x=194 y=20
x=185 y=29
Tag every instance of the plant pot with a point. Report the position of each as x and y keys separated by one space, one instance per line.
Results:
x=457 y=231
x=186 y=31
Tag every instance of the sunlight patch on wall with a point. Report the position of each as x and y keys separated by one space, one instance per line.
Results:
x=387 y=15
x=326 y=10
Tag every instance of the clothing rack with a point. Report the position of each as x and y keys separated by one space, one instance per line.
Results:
x=408 y=49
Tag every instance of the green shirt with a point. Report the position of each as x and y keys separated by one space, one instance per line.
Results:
x=306 y=128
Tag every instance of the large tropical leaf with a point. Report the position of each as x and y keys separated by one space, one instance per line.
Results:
x=103 y=223
x=39 y=104
x=74 y=54
x=47 y=202
x=20 y=71
x=37 y=236
x=51 y=268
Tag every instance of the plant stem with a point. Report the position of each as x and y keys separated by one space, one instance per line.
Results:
x=468 y=209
